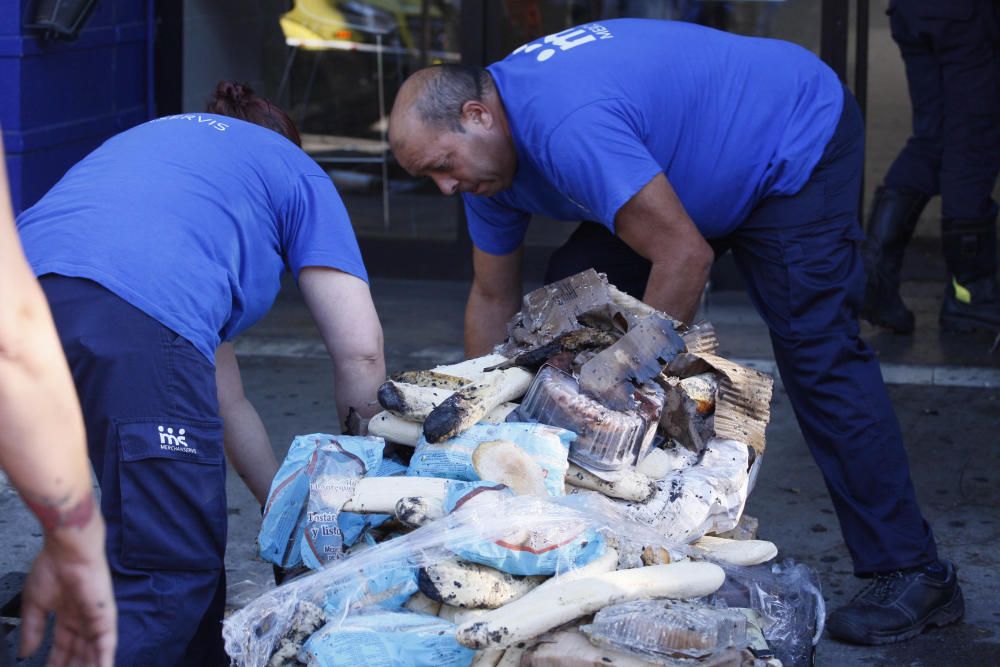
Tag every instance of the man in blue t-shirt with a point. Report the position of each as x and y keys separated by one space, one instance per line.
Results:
x=154 y=252
x=672 y=139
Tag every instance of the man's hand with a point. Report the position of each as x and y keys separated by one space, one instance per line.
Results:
x=494 y=298
x=655 y=225
x=70 y=578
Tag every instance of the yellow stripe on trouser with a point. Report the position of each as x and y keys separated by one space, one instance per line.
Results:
x=961 y=293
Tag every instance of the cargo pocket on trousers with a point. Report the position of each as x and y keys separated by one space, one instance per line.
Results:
x=173 y=492
x=826 y=280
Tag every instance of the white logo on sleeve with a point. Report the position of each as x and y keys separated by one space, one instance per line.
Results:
x=565 y=40
x=174 y=443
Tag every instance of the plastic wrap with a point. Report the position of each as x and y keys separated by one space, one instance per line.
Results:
x=606 y=439
x=252 y=633
x=387 y=639
x=788 y=598
x=525 y=551
x=707 y=497
x=302 y=517
x=548 y=446
x=667 y=628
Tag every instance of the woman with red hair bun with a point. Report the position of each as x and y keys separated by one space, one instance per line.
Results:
x=155 y=251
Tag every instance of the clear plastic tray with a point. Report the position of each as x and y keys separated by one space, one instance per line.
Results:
x=667 y=628
x=606 y=439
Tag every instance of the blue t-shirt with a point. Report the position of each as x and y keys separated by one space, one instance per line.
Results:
x=192 y=219
x=597 y=111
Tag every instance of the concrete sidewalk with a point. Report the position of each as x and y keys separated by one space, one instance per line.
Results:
x=950 y=432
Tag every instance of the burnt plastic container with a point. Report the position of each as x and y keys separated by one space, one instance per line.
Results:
x=606 y=439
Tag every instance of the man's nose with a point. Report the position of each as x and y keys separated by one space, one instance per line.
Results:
x=446 y=184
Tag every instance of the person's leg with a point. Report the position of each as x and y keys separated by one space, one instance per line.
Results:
x=910 y=182
x=968 y=47
x=801 y=261
x=592 y=245
x=918 y=164
x=151 y=412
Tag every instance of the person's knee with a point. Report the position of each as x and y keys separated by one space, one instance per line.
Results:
x=161 y=612
x=592 y=246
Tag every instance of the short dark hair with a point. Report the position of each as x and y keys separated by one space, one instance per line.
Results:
x=239 y=101
x=447 y=89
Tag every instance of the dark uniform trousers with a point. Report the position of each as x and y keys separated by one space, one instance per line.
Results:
x=800 y=258
x=951 y=49
x=155 y=440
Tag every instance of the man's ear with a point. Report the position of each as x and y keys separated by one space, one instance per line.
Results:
x=477 y=113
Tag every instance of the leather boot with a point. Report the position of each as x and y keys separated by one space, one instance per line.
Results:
x=972 y=297
x=893 y=218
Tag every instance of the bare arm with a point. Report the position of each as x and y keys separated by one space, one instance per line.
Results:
x=248 y=446
x=342 y=306
x=43 y=452
x=494 y=298
x=655 y=225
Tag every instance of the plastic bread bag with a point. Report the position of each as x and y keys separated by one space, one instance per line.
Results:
x=286 y=512
x=254 y=632
x=387 y=639
x=789 y=600
x=547 y=446
x=387 y=589
x=327 y=530
x=523 y=551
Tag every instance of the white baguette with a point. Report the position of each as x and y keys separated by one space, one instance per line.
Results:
x=410 y=401
x=606 y=562
x=734 y=552
x=471 y=585
x=512 y=657
x=379 y=495
x=395 y=429
x=503 y=461
x=657 y=464
x=471 y=403
x=415 y=511
x=488 y=658
x=471 y=369
x=407 y=432
x=548 y=607
x=630 y=484
x=458 y=615
x=570 y=648
x=422 y=604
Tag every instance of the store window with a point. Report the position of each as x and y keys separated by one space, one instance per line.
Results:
x=336 y=66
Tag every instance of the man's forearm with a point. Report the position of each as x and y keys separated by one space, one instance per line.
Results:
x=486 y=322
x=676 y=289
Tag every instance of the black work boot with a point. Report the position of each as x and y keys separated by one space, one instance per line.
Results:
x=893 y=218
x=972 y=298
x=899 y=605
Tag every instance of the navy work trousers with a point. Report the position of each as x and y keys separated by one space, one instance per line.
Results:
x=155 y=439
x=952 y=55
x=799 y=256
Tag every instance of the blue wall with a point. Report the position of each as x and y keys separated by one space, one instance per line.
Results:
x=60 y=100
